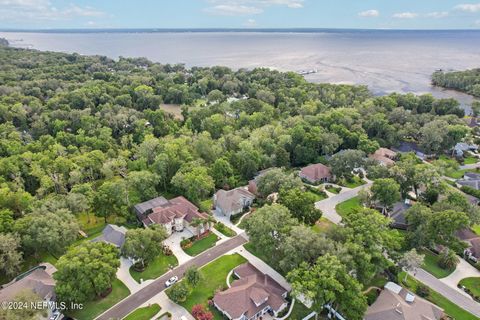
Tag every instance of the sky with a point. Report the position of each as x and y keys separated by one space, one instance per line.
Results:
x=362 y=14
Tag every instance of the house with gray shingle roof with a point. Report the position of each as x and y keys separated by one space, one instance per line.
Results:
x=112 y=234
x=233 y=201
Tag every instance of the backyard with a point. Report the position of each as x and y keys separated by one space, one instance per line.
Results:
x=213 y=277
x=198 y=246
x=348 y=206
x=449 y=307
x=92 y=309
x=156 y=268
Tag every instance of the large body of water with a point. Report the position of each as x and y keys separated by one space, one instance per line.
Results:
x=385 y=60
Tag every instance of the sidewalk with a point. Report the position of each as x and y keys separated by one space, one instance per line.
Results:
x=463 y=270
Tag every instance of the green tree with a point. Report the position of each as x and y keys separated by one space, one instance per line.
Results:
x=386 y=191
x=193 y=182
x=179 y=292
x=192 y=275
x=448 y=259
x=6 y=221
x=301 y=204
x=268 y=228
x=144 y=245
x=275 y=180
x=111 y=198
x=86 y=271
x=49 y=231
x=24 y=298
x=10 y=256
x=410 y=261
x=343 y=163
x=328 y=282
x=222 y=172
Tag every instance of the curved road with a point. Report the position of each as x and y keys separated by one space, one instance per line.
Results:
x=133 y=301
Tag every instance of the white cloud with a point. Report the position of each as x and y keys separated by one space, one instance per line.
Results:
x=250 y=23
x=248 y=7
x=405 y=15
x=468 y=7
x=477 y=23
x=17 y=10
x=437 y=15
x=369 y=13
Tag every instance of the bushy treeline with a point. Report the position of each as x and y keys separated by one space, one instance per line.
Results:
x=467 y=81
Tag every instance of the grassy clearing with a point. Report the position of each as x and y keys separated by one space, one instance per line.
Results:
x=346 y=207
x=223 y=229
x=145 y=313
x=213 y=277
x=92 y=309
x=201 y=245
x=430 y=264
x=449 y=307
x=322 y=225
x=155 y=269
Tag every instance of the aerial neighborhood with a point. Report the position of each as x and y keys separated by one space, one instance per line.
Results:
x=315 y=201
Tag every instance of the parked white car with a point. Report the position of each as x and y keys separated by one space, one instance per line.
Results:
x=170 y=282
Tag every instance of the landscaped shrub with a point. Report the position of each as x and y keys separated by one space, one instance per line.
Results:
x=185 y=243
x=448 y=259
x=422 y=290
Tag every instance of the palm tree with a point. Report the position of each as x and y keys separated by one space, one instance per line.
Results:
x=209 y=220
x=196 y=223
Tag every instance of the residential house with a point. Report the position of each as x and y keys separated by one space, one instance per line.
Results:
x=39 y=280
x=112 y=234
x=251 y=296
x=397 y=303
x=175 y=214
x=316 y=173
x=233 y=201
x=461 y=148
x=398 y=214
x=252 y=184
x=470 y=179
x=406 y=147
x=384 y=156
x=473 y=242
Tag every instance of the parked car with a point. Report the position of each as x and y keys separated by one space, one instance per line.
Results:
x=170 y=282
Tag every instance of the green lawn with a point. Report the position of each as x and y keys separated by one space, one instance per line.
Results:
x=355 y=182
x=476 y=228
x=94 y=308
x=213 y=277
x=145 y=313
x=206 y=205
x=470 y=160
x=155 y=269
x=472 y=284
x=299 y=311
x=318 y=196
x=223 y=229
x=332 y=189
x=201 y=245
x=322 y=225
x=449 y=307
x=430 y=264
x=344 y=208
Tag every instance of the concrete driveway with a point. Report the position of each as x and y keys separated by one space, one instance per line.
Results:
x=135 y=300
x=463 y=270
x=173 y=242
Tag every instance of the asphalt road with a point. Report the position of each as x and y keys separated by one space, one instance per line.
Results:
x=135 y=300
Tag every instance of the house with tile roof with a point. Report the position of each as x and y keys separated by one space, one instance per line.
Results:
x=233 y=201
x=251 y=296
x=397 y=303
x=175 y=214
x=316 y=173
x=384 y=156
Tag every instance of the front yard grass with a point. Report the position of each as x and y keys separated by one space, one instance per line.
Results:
x=472 y=284
x=223 y=229
x=92 y=309
x=430 y=264
x=470 y=160
x=356 y=181
x=145 y=313
x=346 y=207
x=476 y=228
x=213 y=277
x=322 y=225
x=318 y=196
x=449 y=307
x=201 y=245
x=156 y=268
